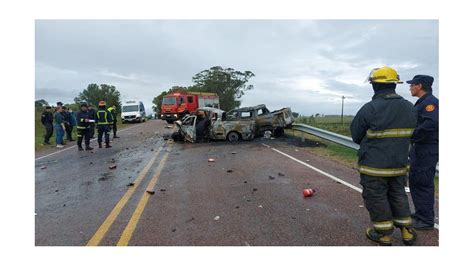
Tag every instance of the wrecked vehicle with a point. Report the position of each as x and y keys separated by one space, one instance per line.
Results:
x=215 y=124
x=265 y=120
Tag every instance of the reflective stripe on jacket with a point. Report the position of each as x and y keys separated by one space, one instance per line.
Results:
x=383 y=128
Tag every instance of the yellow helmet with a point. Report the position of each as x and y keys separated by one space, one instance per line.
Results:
x=384 y=75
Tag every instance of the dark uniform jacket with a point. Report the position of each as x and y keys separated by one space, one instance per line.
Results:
x=92 y=114
x=103 y=117
x=47 y=118
x=427 y=130
x=383 y=128
x=81 y=119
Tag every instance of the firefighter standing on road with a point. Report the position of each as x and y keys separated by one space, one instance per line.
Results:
x=383 y=128
x=424 y=151
x=103 y=120
x=83 y=127
x=114 y=120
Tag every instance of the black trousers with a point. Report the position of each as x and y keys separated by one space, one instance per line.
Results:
x=103 y=130
x=69 y=132
x=83 y=133
x=423 y=160
x=92 y=130
x=49 y=132
x=385 y=197
x=114 y=129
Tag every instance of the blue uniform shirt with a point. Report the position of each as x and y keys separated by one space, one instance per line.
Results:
x=427 y=127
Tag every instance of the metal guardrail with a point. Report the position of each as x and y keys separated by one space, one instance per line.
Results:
x=331 y=136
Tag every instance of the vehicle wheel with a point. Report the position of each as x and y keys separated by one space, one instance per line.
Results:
x=233 y=136
x=169 y=121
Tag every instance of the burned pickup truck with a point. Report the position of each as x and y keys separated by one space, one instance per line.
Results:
x=212 y=123
x=265 y=120
x=238 y=124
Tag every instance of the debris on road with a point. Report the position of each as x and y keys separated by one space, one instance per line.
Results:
x=211 y=160
x=91 y=163
x=308 y=192
x=112 y=160
x=245 y=182
x=237 y=207
x=151 y=192
x=260 y=206
x=230 y=171
x=361 y=206
x=173 y=230
x=281 y=174
x=296 y=149
x=43 y=167
x=105 y=176
x=131 y=184
x=271 y=177
x=216 y=218
x=234 y=152
x=57 y=190
x=168 y=126
x=254 y=189
x=113 y=167
x=162 y=190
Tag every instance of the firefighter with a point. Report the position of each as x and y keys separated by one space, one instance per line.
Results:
x=424 y=151
x=83 y=127
x=383 y=128
x=113 y=124
x=92 y=114
x=103 y=119
x=47 y=121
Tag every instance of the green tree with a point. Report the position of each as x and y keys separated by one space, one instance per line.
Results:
x=41 y=103
x=95 y=93
x=157 y=100
x=228 y=83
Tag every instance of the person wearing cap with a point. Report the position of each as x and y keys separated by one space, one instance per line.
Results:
x=103 y=120
x=47 y=121
x=383 y=128
x=83 y=127
x=424 y=151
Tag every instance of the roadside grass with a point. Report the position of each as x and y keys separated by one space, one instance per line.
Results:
x=40 y=131
x=329 y=149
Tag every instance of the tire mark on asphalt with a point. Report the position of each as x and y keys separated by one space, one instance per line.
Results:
x=74 y=146
x=104 y=228
x=132 y=224
x=324 y=173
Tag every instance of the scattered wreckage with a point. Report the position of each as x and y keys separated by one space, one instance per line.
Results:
x=238 y=124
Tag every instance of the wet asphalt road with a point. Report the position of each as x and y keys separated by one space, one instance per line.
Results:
x=250 y=195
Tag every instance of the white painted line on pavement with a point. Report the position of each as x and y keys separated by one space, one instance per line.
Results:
x=75 y=146
x=324 y=173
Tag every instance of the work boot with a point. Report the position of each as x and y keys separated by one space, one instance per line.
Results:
x=383 y=240
x=420 y=225
x=80 y=148
x=408 y=235
x=100 y=144
x=107 y=145
x=116 y=137
x=89 y=148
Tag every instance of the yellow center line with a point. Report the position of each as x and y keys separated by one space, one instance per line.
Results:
x=132 y=224
x=104 y=228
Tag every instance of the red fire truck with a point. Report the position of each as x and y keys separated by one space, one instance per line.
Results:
x=177 y=104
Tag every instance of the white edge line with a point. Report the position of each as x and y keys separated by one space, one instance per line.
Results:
x=324 y=173
x=74 y=146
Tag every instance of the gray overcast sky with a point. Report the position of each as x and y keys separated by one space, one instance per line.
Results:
x=304 y=64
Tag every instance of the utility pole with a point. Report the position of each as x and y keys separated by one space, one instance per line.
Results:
x=342 y=110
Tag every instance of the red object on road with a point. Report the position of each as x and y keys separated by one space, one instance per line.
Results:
x=308 y=192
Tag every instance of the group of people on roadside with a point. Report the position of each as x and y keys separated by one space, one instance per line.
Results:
x=63 y=120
